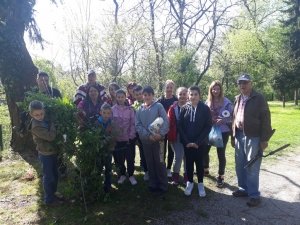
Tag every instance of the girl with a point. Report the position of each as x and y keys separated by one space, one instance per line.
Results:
x=167 y=100
x=173 y=135
x=130 y=94
x=221 y=112
x=194 y=127
x=112 y=88
x=123 y=117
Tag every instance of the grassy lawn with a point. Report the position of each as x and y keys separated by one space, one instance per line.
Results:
x=20 y=200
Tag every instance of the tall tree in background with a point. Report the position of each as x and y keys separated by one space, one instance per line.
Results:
x=17 y=71
x=293 y=24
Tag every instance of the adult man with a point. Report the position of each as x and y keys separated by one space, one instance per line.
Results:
x=252 y=130
x=81 y=92
x=42 y=80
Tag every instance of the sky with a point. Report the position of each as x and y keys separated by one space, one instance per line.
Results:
x=52 y=20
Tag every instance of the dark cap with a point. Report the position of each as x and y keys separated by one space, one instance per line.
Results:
x=244 y=77
x=91 y=72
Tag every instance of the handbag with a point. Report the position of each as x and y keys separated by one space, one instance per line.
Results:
x=215 y=137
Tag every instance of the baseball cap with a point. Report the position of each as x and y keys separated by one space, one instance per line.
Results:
x=90 y=72
x=244 y=77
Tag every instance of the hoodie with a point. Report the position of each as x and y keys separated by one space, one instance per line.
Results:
x=146 y=115
x=194 y=124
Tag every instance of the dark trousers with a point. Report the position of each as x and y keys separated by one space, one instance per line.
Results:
x=194 y=156
x=142 y=155
x=156 y=165
x=124 y=152
x=168 y=148
x=107 y=171
x=221 y=155
x=50 y=176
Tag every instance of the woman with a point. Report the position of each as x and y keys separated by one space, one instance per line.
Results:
x=167 y=100
x=91 y=105
x=194 y=127
x=221 y=112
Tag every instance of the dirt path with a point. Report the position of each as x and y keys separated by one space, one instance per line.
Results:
x=280 y=189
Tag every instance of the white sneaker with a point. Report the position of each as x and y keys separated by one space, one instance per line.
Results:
x=201 y=190
x=169 y=173
x=189 y=188
x=146 y=176
x=132 y=180
x=121 y=179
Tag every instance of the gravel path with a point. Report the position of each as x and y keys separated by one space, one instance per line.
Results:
x=280 y=189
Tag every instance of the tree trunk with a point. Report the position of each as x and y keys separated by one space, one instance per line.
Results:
x=17 y=71
x=283 y=100
x=156 y=48
x=296 y=96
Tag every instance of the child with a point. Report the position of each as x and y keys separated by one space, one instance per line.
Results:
x=138 y=94
x=173 y=135
x=167 y=100
x=105 y=122
x=43 y=133
x=130 y=96
x=123 y=117
x=112 y=88
x=146 y=114
x=194 y=126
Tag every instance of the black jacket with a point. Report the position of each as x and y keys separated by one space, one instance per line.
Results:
x=194 y=124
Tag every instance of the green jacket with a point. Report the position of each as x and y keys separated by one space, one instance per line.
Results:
x=43 y=134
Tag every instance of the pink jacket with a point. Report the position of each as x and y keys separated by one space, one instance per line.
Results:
x=123 y=117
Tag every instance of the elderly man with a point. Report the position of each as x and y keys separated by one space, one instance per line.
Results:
x=81 y=92
x=251 y=132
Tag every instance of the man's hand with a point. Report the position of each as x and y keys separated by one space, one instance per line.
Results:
x=263 y=145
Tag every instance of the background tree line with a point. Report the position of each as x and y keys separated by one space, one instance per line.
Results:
x=191 y=42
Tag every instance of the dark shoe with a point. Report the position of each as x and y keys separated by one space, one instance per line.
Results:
x=239 y=193
x=59 y=196
x=175 y=179
x=220 y=181
x=54 y=203
x=253 y=202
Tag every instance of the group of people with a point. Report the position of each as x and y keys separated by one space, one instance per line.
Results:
x=181 y=137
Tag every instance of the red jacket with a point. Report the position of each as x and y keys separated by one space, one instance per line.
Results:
x=172 y=134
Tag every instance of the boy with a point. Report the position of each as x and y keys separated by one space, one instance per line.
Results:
x=105 y=122
x=43 y=133
x=146 y=114
x=194 y=126
x=138 y=94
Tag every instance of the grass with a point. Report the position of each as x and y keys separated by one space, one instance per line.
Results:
x=20 y=200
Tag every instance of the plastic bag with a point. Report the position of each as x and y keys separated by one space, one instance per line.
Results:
x=215 y=137
x=155 y=126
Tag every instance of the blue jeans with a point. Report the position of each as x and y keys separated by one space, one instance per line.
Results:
x=50 y=176
x=245 y=149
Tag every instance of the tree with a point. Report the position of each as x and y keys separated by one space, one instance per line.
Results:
x=293 y=24
x=17 y=71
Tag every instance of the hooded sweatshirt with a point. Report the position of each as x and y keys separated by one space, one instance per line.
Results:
x=123 y=118
x=146 y=115
x=194 y=124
